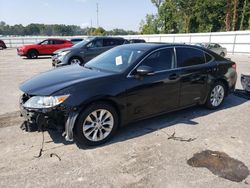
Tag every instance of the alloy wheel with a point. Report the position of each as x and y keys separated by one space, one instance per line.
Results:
x=98 y=125
x=75 y=61
x=217 y=95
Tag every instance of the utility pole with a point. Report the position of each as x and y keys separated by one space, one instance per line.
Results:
x=91 y=27
x=97 y=15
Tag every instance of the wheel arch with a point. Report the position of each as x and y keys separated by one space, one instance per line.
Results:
x=32 y=49
x=106 y=100
x=211 y=83
x=223 y=80
x=75 y=56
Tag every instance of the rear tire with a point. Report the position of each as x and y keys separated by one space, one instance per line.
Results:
x=96 y=124
x=222 y=54
x=216 y=95
x=32 y=54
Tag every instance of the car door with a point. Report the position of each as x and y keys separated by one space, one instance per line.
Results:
x=43 y=47
x=93 y=49
x=57 y=44
x=157 y=93
x=193 y=75
x=47 y=47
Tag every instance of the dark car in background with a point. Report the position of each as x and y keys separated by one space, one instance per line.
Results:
x=136 y=41
x=46 y=47
x=76 y=40
x=84 y=51
x=2 y=45
x=127 y=83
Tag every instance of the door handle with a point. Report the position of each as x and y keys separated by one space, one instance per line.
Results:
x=173 y=77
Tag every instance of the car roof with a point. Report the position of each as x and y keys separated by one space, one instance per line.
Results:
x=153 y=46
x=105 y=37
x=56 y=39
x=77 y=39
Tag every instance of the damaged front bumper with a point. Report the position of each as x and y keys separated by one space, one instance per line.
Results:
x=59 y=118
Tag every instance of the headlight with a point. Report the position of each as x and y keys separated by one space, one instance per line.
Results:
x=63 y=54
x=45 y=102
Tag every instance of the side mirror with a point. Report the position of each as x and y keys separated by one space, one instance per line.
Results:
x=144 y=70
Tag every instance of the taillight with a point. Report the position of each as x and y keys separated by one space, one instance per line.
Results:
x=234 y=66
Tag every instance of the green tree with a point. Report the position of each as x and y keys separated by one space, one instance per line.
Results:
x=99 y=31
x=32 y=29
x=150 y=25
x=157 y=3
x=208 y=16
x=175 y=16
x=169 y=17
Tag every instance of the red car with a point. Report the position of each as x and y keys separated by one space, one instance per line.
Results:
x=46 y=47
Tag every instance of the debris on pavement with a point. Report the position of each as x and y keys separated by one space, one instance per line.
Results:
x=54 y=154
x=173 y=137
x=41 y=150
x=220 y=164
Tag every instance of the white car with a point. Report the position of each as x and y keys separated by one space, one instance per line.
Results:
x=215 y=48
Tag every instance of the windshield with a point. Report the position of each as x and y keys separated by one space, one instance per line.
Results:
x=40 y=42
x=82 y=43
x=115 y=60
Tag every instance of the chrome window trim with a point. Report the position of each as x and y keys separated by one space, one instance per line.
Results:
x=212 y=57
x=175 y=60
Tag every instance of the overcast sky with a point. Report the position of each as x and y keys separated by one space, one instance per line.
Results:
x=125 y=14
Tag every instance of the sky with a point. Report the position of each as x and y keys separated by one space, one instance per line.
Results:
x=125 y=14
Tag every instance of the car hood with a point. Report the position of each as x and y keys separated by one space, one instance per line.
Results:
x=29 y=46
x=61 y=50
x=52 y=81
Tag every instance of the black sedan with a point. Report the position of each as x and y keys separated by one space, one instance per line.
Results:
x=125 y=84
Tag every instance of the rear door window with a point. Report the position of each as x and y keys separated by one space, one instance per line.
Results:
x=189 y=57
x=98 y=43
x=160 y=60
x=120 y=41
x=109 y=42
x=216 y=45
x=58 y=42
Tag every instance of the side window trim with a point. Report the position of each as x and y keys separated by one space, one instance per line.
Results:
x=130 y=75
x=212 y=57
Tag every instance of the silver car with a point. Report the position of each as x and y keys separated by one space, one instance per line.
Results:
x=215 y=48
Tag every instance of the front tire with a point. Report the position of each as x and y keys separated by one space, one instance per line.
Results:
x=96 y=124
x=75 y=60
x=216 y=95
x=32 y=54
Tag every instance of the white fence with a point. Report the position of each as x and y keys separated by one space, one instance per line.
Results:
x=234 y=41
